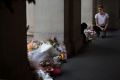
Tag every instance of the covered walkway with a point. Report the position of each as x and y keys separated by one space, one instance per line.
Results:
x=99 y=61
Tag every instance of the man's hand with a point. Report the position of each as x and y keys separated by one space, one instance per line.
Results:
x=104 y=29
x=101 y=28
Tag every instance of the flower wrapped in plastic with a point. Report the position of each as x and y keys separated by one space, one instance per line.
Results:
x=90 y=33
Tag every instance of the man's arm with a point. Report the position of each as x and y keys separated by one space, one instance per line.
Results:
x=96 y=21
x=106 y=22
x=106 y=25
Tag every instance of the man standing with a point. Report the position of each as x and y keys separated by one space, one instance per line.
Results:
x=101 y=19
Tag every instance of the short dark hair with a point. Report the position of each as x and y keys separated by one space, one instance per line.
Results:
x=100 y=6
x=83 y=27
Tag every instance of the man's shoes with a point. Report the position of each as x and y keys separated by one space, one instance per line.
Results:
x=98 y=34
x=103 y=36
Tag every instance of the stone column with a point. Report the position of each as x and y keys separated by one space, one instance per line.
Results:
x=14 y=64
